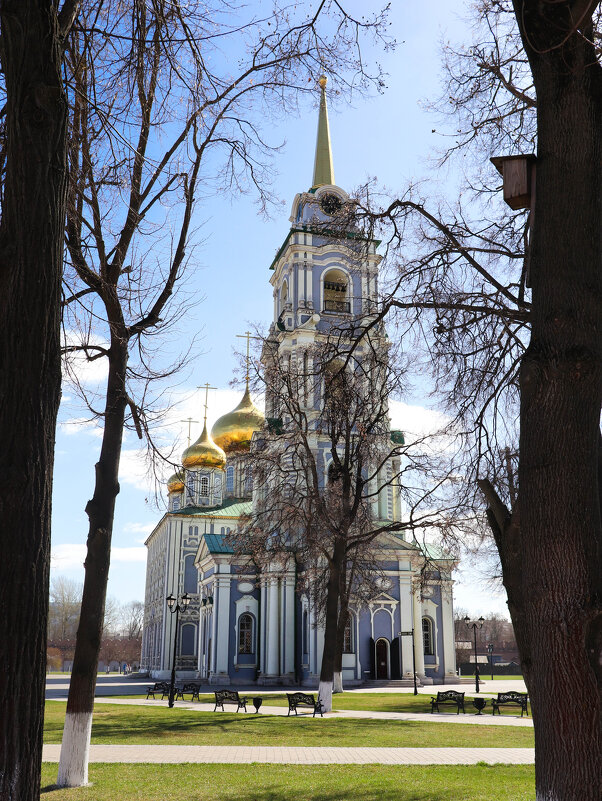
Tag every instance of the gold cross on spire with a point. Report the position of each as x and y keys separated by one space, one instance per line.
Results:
x=248 y=336
x=190 y=421
x=206 y=387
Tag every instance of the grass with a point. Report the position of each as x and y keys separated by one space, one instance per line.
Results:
x=113 y=724
x=258 y=782
x=370 y=702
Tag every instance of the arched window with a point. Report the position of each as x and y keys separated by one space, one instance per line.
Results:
x=191 y=576
x=188 y=639
x=204 y=486
x=336 y=292
x=348 y=636
x=229 y=479
x=283 y=296
x=245 y=634
x=305 y=631
x=427 y=636
x=190 y=487
x=248 y=481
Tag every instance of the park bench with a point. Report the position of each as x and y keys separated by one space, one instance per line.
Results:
x=304 y=699
x=229 y=697
x=448 y=697
x=511 y=698
x=191 y=688
x=158 y=687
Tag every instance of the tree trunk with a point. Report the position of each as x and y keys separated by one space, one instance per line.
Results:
x=327 y=669
x=73 y=765
x=31 y=239
x=553 y=558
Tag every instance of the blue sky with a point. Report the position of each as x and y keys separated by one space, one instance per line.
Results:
x=388 y=137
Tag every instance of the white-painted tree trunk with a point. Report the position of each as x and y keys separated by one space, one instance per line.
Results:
x=75 y=750
x=325 y=695
x=337 y=686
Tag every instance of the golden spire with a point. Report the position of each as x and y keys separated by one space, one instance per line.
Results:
x=323 y=169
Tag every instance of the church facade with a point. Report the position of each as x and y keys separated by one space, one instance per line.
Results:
x=254 y=626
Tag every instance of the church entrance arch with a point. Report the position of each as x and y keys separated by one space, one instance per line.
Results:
x=382 y=659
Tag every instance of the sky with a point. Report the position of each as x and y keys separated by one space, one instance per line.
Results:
x=388 y=137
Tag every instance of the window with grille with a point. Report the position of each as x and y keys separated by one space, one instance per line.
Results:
x=427 y=636
x=230 y=479
x=348 y=638
x=245 y=634
x=204 y=486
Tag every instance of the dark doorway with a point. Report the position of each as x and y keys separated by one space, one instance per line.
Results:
x=382 y=659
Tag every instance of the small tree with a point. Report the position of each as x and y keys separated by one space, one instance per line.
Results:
x=181 y=119
x=333 y=527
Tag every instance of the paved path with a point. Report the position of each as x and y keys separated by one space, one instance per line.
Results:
x=426 y=717
x=242 y=754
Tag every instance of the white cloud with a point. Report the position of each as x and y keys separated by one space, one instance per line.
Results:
x=81 y=425
x=415 y=421
x=87 y=372
x=67 y=556
x=71 y=555
x=139 y=528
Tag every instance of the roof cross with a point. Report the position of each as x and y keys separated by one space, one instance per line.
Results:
x=206 y=387
x=248 y=336
x=190 y=421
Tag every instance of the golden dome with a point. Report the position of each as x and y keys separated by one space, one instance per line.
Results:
x=203 y=453
x=175 y=483
x=234 y=430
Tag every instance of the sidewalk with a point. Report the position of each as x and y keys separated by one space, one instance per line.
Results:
x=242 y=754
x=426 y=717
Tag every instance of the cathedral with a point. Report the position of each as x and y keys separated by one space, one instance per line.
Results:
x=246 y=627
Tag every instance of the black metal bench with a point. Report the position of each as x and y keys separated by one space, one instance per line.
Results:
x=158 y=687
x=304 y=699
x=191 y=688
x=511 y=698
x=229 y=697
x=448 y=697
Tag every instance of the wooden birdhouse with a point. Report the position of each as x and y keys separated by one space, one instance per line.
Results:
x=518 y=174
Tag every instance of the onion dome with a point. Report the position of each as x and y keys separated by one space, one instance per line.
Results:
x=233 y=431
x=175 y=483
x=204 y=453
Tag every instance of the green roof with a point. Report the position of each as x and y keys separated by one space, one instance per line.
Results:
x=232 y=507
x=216 y=543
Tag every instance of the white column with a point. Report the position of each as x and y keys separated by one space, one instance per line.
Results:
x=448 y=663
x=418 y=642
x=288 y=596
x=310 y=282
x=221 y=609
x=272 y=638
x=262 y=645
x=406 y=618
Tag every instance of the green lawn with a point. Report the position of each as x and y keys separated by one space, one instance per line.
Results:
x=298 y=783
x=138 y=724
x=371 y=702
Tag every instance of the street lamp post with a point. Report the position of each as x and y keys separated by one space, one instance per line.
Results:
x=175 y=605
x=411 y=634
x=474 y=627
x=490 y=652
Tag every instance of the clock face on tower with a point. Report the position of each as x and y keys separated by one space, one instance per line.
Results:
x=330 y=204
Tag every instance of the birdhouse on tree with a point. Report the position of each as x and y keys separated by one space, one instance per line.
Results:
x=518 y=174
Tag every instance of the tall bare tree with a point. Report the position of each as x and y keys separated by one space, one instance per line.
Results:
x=157 y=112
x=516 y=326
x=32 y=189
x=335 y=526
